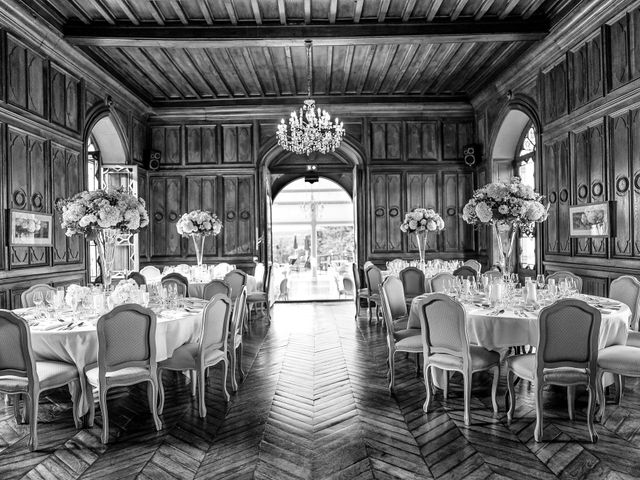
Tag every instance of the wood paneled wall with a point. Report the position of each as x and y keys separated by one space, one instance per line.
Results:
x=43 y=111
x=587 y=98
x=407 y=163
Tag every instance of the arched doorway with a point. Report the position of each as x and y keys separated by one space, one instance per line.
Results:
x=104 y=145
x=312 y=227
x=516 y=153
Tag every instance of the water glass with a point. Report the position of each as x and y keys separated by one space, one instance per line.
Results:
x=540 y=280
x=50 y=298
x=144 y=299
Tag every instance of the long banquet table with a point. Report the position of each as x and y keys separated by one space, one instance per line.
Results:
x=51 y=340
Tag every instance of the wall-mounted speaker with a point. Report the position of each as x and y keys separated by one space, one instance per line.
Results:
x=154 y=160
x=471 y=154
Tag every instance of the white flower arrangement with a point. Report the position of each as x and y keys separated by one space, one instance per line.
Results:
x=422 y=220
x=505 y=204
x=75 y=294
x=88 y=212
x=199 y=222
x=126 y=291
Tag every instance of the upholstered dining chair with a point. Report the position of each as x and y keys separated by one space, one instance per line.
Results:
x=476 y=265
x=138 y=278
x=373 y=276
x=566 y=355
x=237 y=279
x=465 y=271
x=348 y=288
x=214 y=287
x=235 y=338
x=440 y=281
x=561 y=275
x=22 y=375
x=445 y=345
x=396 y=303
x=283 y=293
x=360 y=292
x=621 y=361
x=626 y=289
x=126 y=356
x=26 y=297
x=413 y=282
x=493 y=274
x=262 y=298
x=151 y=274
x=180 y=281
x=210 y=350
x=405 y=340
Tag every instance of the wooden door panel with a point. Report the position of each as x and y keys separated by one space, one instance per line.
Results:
x=551 y=192
x=174 y=212
x=379 y=212
x=564 y=197
x=620 y=157
x=201 y=194
x=450 y=211
x=394 y=202
x=36 y=86
x=59 y=189
x=17 y=73
x=581 y=183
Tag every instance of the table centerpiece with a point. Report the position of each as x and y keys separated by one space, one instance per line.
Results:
x=199 y=224
x=102 y=216
x=509 y=208
x=420 y=221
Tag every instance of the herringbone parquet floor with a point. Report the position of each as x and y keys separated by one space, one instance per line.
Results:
x=315 y=404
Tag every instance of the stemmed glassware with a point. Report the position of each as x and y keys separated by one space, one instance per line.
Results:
x=540 y=280
x=50 y=298
x=38 y=299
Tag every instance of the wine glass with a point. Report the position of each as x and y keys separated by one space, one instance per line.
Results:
x=514 y=278
x=50 y=298
x=38 y=299
x=540 y=280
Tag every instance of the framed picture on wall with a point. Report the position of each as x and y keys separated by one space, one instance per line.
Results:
x=592 y=220
x=30 y=229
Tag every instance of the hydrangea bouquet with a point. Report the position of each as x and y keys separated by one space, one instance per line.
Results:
x=102 y=215
x=509 y=207
x=127 y=291
x=75 y=294
x=420 y=221
x=199 y=224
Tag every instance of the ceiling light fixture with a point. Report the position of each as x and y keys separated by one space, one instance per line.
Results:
x=310 y=130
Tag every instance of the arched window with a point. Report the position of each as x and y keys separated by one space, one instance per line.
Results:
x=526 y=170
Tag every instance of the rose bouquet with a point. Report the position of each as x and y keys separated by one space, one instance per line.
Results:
x=126 y=291
x=506 y=205
x=422 y=219
x=75 y=294
x=199 y=222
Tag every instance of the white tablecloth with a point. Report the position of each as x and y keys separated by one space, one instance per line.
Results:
x=506 y=330
x=80 y=345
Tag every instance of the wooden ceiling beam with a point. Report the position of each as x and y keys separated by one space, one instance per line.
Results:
x=382 y=11
x=508 y=9
x=307 y=11
x=75 y=9
x=457 y=10
x=231 y=11
x=255 y=8
x=295 y=35
x=155 y=13
x=282 y=12
x=333 y=11
x=532 y=9
x=484 y=8
x=102 y=11
x=433 y=10
x=357 y=10
x=407 y=10
x=206 y=13
x=124 y=6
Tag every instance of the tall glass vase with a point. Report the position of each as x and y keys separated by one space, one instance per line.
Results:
x=106 y=244
x=421 y=240
x=506 y=238
x=198 y=242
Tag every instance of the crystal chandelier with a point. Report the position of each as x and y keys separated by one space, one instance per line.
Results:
x=310 y=129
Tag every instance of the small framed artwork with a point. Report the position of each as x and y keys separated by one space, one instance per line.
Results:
x=30 y=229
x=592 y=220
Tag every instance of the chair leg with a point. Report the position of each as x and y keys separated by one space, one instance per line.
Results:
x=202 y=408
x=467 y=377
x=234 y=383
x=601 y=399
x=571 y=401
x=537 y=434
x=392 y=354
x=192 y=377
x=512 y=395
x=267 y=312
x=34 y=400
x=105 y=414
x=591 y=408
x=152 y=391
x=494 y=388
x=445 y=384
x=92 y=406
x=76 y=394
x=15 y=400
x=369 y=308
x=225 y=367
x=160 y=393
x=619 y=381
x=428 y=388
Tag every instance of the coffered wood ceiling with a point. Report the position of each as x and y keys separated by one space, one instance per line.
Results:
x=226 y=52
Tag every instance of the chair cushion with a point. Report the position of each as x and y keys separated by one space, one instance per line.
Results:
x=620 y=358
x=184 y=358
x=257 y=297
x=409 y=341
x=50 y=375
x=633 y=340
x=524 y=367
x=481 y=359
x=401 y=323
x=129 y=374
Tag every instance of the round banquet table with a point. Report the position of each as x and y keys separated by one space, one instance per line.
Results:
x=196 y=289
x=79 y=345
x=497 y=332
